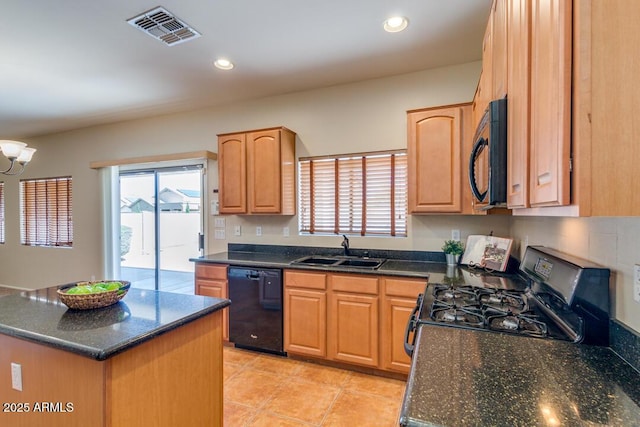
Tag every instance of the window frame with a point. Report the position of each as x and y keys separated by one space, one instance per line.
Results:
x=46 y=212
x=375 y=203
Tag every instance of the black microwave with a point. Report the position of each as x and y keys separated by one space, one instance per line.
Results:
x=488 y=160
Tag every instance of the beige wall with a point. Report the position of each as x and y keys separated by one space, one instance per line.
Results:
x=364 y=116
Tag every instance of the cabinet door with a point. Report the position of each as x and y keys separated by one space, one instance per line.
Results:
x=434 y=149
x=353 y=328
x=264 y=171
x=305 y=325
x=232 y=174
x=485 y=87
x=216 y=289
x=395 y=312
x=550 y=102
x=399 y=300
x=518 y=105
x=499 y=52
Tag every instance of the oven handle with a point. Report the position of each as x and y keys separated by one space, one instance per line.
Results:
x=411 y=327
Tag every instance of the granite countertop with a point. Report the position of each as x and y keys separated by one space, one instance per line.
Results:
x=391 y=267
x=431 y=266
x=40 y=317
x=465 y=378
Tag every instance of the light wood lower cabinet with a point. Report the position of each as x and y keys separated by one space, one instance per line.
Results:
x=353 y=319
x=305 y=313
x=211 y=281
x=349 y=318
x=399 y=299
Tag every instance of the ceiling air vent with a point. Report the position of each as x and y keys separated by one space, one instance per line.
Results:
x=164 y=26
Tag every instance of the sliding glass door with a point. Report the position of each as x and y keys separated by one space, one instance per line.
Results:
x=160 y=227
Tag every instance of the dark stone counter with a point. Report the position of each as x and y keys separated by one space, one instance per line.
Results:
x=433 y=268
x=477 y=378
x=418 y=264
x=40 y=317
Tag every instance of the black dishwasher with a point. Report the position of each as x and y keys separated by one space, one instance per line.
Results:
x=255 y=313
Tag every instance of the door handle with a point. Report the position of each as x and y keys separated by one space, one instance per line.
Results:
x=475 y=152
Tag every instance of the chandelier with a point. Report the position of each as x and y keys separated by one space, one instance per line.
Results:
x=16 y=152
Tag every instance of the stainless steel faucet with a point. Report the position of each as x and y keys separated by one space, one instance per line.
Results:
x=345 y=245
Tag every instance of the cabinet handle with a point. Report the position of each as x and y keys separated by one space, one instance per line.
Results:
x=544 y=178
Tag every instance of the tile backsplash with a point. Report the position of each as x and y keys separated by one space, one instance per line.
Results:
x=611 y=242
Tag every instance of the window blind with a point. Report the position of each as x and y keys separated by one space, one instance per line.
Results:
x=362 y=194
x=46 y=215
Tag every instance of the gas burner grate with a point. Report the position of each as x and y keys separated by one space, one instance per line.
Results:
x=502 y=299
x=467 y=315
x=455 y=295
x=524 y=323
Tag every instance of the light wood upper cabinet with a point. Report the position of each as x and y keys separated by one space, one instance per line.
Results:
x=550 y=107
x=605 y=108
x=518 y=104
x=435 y=143
x=499 y=51
x=257 y=172
x=485 y=85
x=232 y=173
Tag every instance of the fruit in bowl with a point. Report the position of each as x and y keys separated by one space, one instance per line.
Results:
x=94 y=288
x=87 y=295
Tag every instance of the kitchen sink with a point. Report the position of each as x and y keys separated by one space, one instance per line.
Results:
x=315 y=260
x=340 y=261
x=362 y=263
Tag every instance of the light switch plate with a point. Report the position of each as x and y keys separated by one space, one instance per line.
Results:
x=219 y=222
x=219 y=234
x=237 y=230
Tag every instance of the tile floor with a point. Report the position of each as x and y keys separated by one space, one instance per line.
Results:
x=265 y=390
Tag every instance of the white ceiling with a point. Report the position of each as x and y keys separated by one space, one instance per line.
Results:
x=67 y=64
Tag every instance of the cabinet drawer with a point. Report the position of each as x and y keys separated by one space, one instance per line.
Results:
x=303 y=279
x=354 y=284
x=210 y=271
x=401 y=287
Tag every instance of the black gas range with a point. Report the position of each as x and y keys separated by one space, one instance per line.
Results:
x=553 y=296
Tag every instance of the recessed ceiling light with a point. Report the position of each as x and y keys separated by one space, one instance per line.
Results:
x=395 y=24
x=223 y=64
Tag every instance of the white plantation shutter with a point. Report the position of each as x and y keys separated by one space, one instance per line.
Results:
x=323 y=198
x=46 y=215
x=350 y=201
x=362 y=194
x=400 y=191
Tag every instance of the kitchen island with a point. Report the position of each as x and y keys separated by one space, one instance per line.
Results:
x=152 y=359
x=461 y=377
